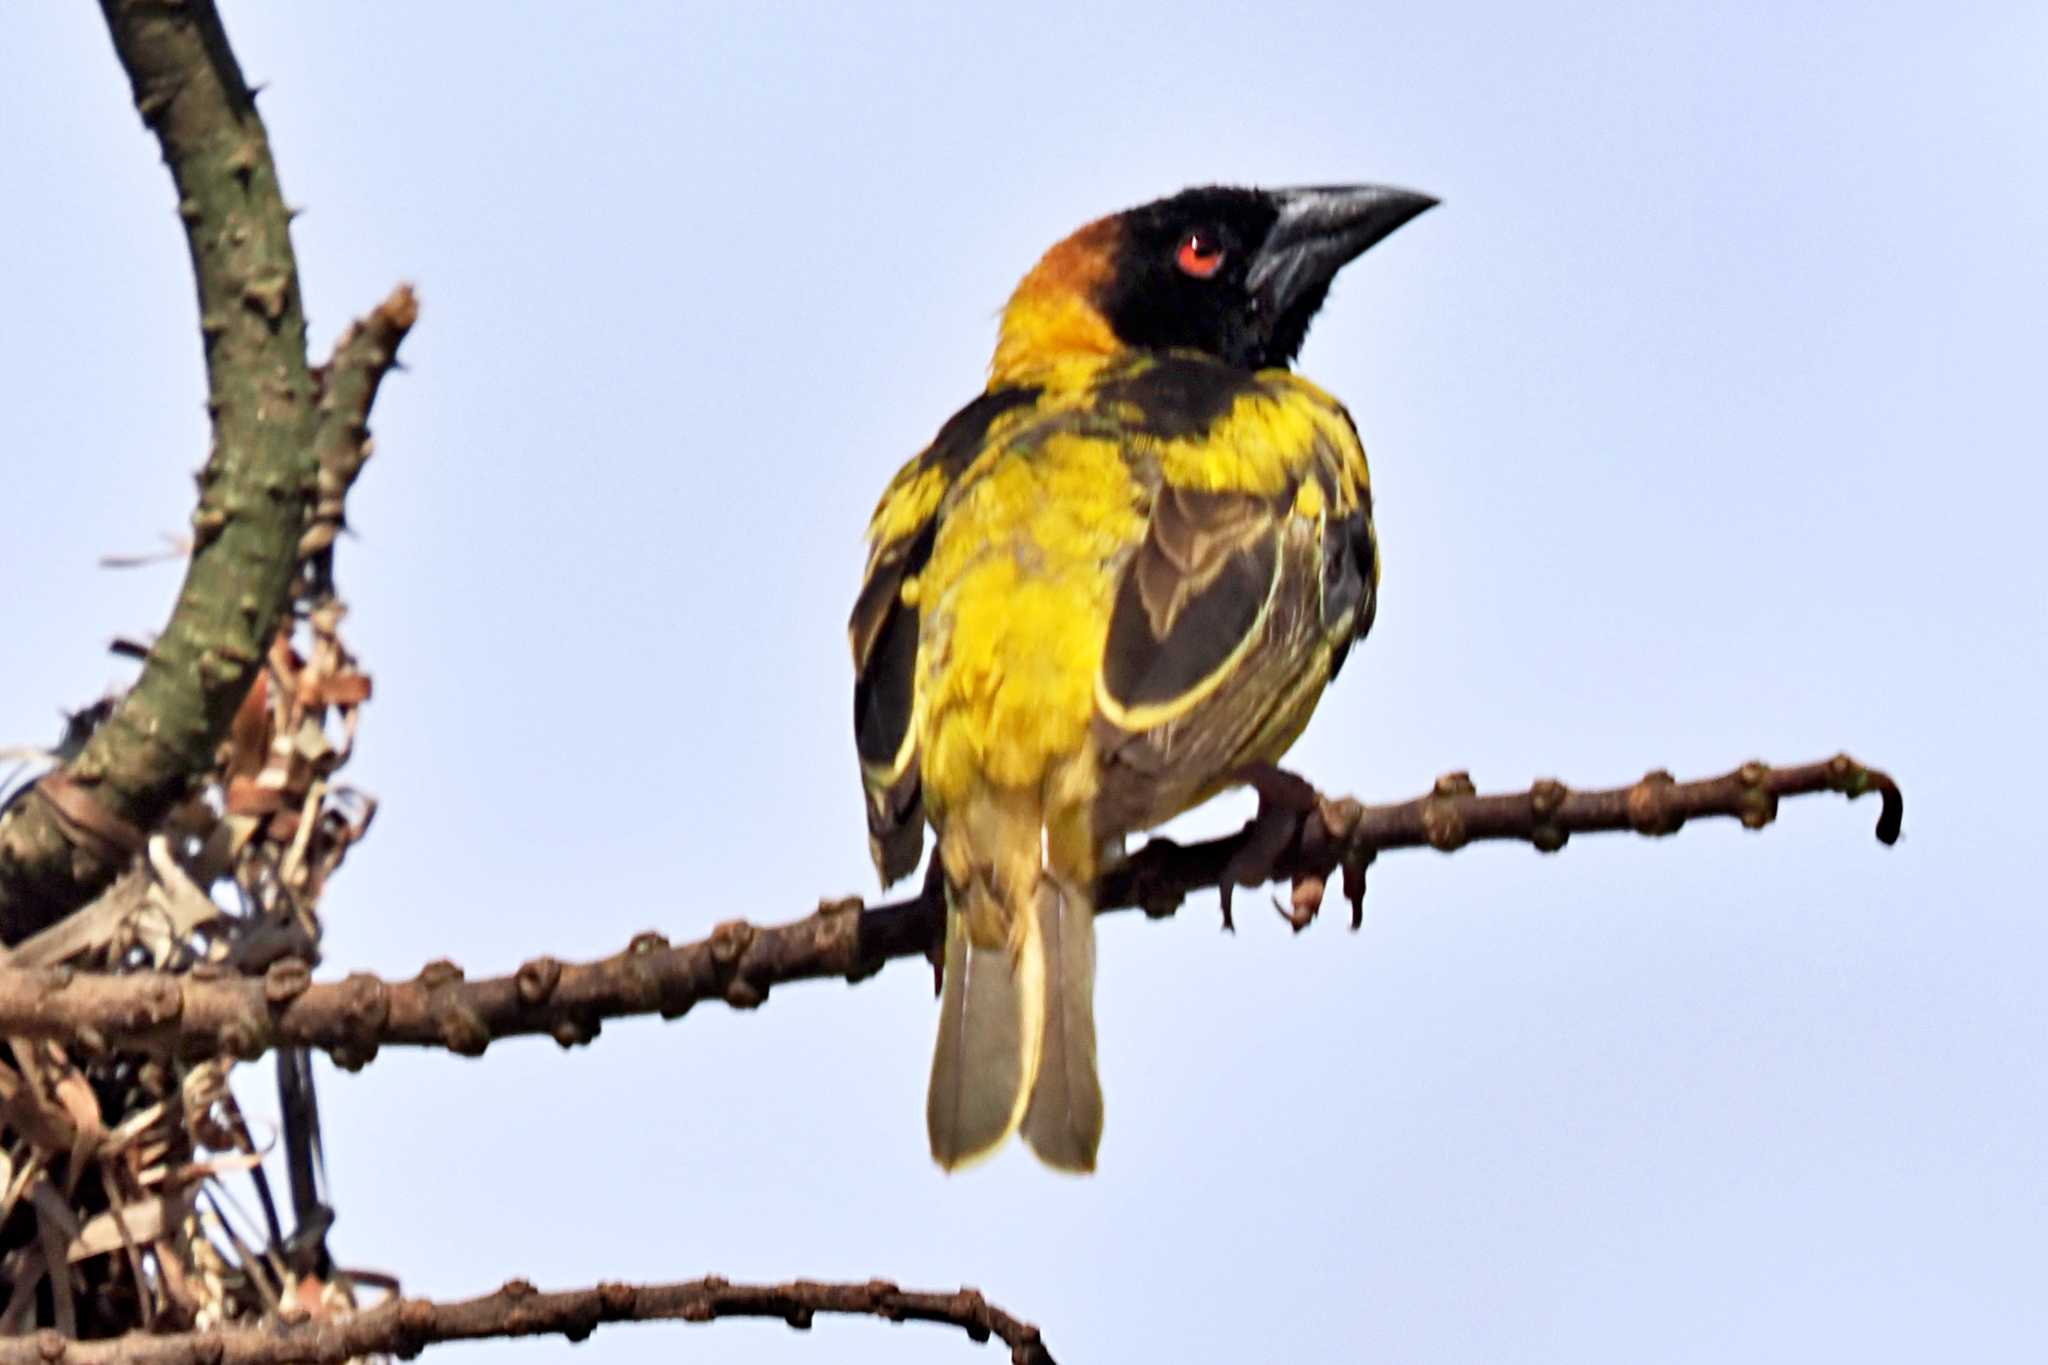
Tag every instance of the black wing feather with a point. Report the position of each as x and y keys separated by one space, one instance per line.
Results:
x=1193 y=592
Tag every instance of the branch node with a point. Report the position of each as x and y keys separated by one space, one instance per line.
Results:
x=647 y=941
x=619 y=1300
x=438 y=973
x=286 y=981
x=518 y=1288
x=50 y=1344
x=536 y=980
x=1340 y=816
x=1455 y=784
x=1757 y=806
x=368 y=1004
x=729 y=940
x=1546 y=799
x=574 y=1030
x=972 y=1311
x=1648 y=811
x=242 y=1040
x=164 y=1003
x=463 y=1031
x=352 y=1057
x=1443 y=819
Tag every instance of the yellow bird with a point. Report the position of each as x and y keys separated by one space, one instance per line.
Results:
x=1114 y=582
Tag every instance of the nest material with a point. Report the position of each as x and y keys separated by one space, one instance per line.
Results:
x=125 y=1179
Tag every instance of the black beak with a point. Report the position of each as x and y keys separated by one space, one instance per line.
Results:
x=1322 y=229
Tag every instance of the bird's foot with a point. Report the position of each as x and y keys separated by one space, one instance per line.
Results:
x=1287 y=831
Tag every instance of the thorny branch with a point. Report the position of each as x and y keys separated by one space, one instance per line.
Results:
x=405 y=1326
x=210 y=1011
x=279 y=447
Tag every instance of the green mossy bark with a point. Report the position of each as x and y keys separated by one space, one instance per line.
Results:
x=258 y=477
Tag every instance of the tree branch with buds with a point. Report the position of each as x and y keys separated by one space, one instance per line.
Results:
x=212 y=1010
x=403 y=1327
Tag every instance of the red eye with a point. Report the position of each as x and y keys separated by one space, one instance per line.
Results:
x=1199 y=255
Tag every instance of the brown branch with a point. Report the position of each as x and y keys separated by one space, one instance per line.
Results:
x=204 y=1014
x=81 y=825
x=348 y=388
x=403 y=1327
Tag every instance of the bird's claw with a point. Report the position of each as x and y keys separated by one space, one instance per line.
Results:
x=1284 y=825
x=1303 y=904
x=1354 y=888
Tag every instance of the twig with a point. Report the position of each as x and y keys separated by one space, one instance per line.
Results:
x=405 y=1326
x=348 y=384
x=200 y=1014
x=84 y=822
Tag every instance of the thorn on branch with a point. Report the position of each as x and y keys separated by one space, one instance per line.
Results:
x=267 y=295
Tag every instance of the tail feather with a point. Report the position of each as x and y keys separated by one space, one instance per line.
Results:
x=1063 y=1122
x=991 y=1023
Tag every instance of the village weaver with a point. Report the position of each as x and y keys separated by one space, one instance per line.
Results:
x=1113 y=584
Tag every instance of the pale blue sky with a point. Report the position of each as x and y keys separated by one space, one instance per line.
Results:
x=1705 y=425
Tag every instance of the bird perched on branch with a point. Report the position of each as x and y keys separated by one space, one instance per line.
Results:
x=1114 y=584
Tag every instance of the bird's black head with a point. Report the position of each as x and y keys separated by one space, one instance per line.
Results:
x=1233 y=273
x=1239 y=273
